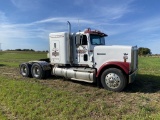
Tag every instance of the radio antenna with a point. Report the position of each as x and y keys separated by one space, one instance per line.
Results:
x=79 y=26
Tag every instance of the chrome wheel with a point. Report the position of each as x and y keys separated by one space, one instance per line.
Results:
x=112 y=80
x=24 y=70
x=36 y=71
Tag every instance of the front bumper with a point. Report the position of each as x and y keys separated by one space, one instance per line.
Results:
x=132 y=76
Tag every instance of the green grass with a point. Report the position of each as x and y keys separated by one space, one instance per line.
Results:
x=31 y=100
x=149 y=65
x=2 y=116
x=27 y=100
x=13 y=59
x=57 y=98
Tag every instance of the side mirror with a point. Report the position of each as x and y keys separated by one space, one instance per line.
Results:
x=79 y=39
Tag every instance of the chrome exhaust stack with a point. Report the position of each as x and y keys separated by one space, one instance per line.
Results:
x=69 y=27
x=71 y=43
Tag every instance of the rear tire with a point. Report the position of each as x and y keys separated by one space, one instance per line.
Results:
x=113 y=79
x=25 y=70
x=37 y=71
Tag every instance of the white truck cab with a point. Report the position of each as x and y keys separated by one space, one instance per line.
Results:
x=84 y=56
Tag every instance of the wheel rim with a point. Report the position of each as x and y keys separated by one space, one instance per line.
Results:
x=36 y=71
x=24 y=70
x=112 y=80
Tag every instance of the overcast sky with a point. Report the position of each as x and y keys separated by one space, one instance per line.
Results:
x=26 y=24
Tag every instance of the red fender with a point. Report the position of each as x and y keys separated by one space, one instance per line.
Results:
x=123 y=65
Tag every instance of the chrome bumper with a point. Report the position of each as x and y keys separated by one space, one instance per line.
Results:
x=132 y=76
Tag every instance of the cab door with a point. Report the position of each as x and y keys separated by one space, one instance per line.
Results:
x=82 y=50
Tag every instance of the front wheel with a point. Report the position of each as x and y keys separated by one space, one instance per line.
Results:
x=113 y=79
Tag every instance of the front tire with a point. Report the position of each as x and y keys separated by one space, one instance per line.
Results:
x=113 y=79
x=37 y=71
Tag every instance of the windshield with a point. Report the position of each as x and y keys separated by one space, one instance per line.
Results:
x=97 y=40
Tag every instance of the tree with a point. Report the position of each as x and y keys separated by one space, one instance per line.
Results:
x=144 y=51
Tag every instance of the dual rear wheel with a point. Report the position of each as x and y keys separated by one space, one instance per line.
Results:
x=35 y=70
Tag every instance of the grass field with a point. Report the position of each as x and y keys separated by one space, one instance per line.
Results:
x=61 y=99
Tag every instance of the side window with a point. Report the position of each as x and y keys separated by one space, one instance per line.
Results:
x=84 y=40
x=54 y=45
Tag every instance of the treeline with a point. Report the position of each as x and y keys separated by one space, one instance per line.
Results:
x=144 y=51
x=30 y=50
x=24 y=50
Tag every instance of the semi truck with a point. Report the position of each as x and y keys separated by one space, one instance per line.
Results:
x=84 y=56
